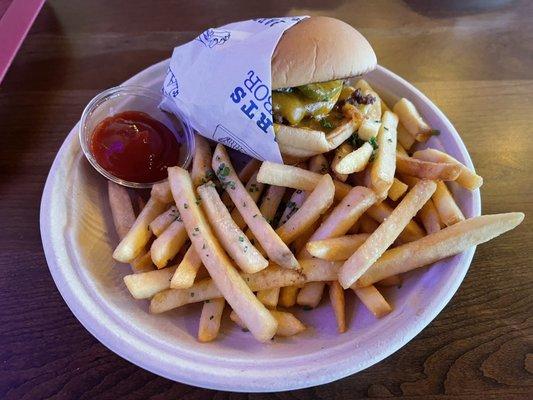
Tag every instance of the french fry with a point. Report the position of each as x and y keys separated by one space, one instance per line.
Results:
x=338 y=303
x=293 y=205
x=317 y=270
x=317 y=203
x=337 y=248
x=448 y=210
x=385 y=234
x=287 y=296
x=163 y=220
x=397 y=189
x=269 y=297
x=381 y=211
x=168 y=244
x=369 y=129
x=142 y=263
x=444 y=171
x=436 y=246
x=161 y=192
x=268 y=208
x=367 y=224
x=201 y=171
x=121 y=208
x=404 y=137
x=373 y=300
x=342 y=133
x=271 y=201
x=232 y=238
x=206 y=289
x=138 y=236
x=340 y=153
x=429 y=216
x=187 y=270
x=288 y=324
x=201 y=163
x=296 y=178
x=305 y=139
x=298 y=196
x=228 y=281
x=276 y=250
x=355 y=161
x=123 y=219
x=293 y=155
x=255 y=189
x=311 y=294
x=411 y=119
x=145 y=285
x=210 y=319
x=247 y=172
x=467 y=178
x=384 y=165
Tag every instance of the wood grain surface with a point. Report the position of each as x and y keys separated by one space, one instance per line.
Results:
x=473 y=58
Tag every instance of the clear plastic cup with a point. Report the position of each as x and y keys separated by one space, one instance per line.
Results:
x=133 y=98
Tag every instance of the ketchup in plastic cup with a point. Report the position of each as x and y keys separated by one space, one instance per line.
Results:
x=129 y=140
x=135 y=147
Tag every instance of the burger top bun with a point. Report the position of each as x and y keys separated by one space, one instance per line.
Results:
x=320 y=49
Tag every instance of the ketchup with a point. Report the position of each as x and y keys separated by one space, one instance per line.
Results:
x=135 y=147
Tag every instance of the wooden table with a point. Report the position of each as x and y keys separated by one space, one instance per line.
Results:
x=475 y=61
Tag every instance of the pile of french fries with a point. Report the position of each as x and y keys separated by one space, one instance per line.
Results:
x=358 y=208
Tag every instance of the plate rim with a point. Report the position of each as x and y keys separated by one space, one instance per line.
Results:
x=272 y=383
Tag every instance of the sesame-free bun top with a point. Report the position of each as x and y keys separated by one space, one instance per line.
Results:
x=320 y=49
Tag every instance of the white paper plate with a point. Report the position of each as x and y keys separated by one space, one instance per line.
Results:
x=78 y=239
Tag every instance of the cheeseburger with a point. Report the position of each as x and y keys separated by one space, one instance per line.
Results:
x=314 y=107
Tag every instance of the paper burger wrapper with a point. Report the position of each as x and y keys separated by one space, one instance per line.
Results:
x=221 y=82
